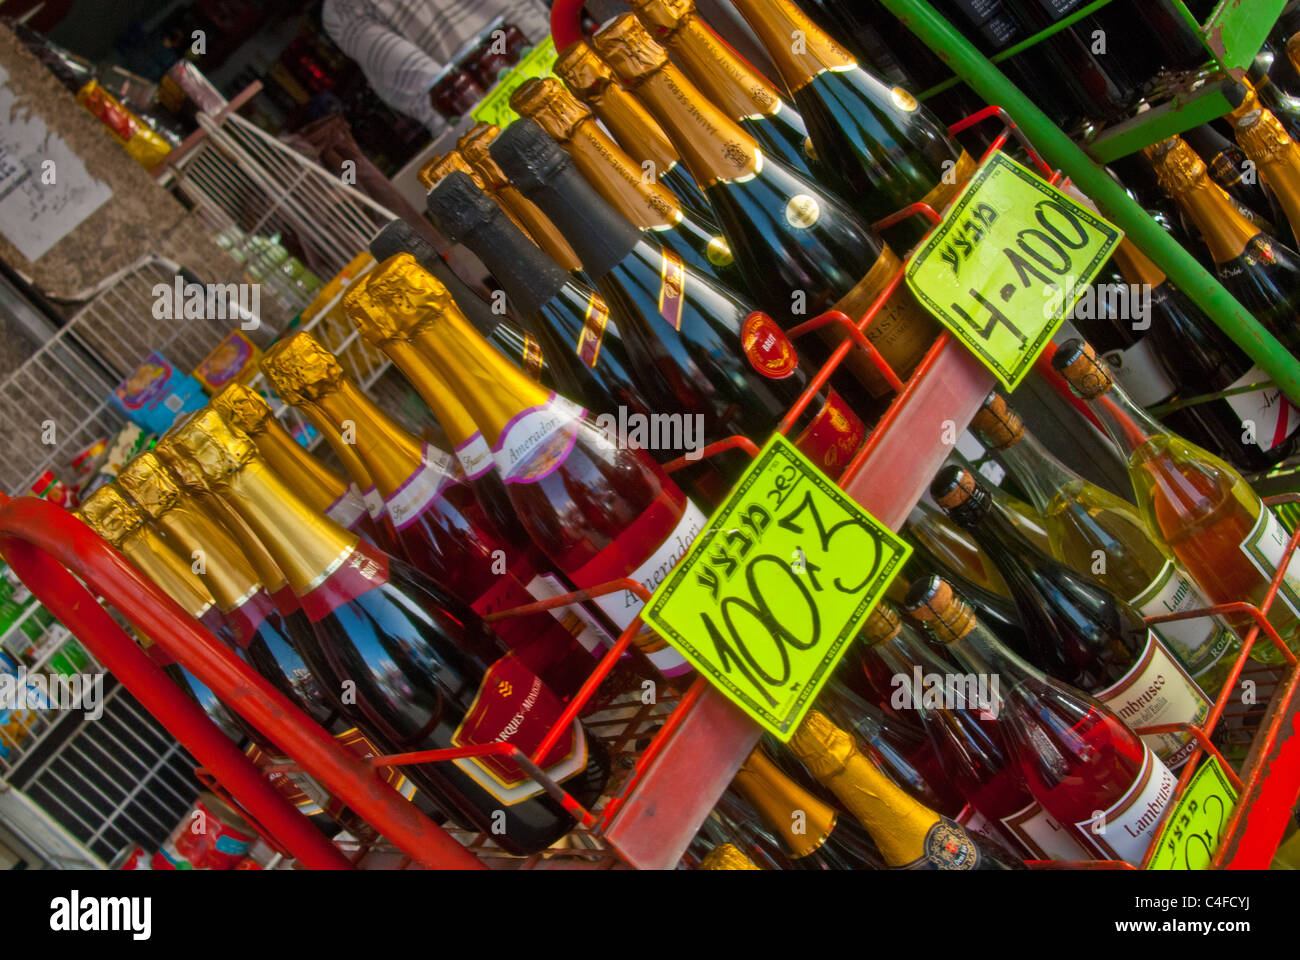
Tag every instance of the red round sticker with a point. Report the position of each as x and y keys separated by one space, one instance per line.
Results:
x=769 y=350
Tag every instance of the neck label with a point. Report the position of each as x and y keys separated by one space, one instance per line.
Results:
x=348 y=509
x=593 y=330
x=360 y=569
x=373 y=501
x=532 y=357
x=421 y=488
x=672 y=289
x=475 y=456
x=538 y=440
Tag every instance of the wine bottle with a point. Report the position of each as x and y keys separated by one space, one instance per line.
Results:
x=1216 y=525
x=617 y=177
x=703 y=336
x=1265 y=72
x=909 y=835
x=819 y=840
x=735 y=87
x=1277 y=158
x=1252 y=94
x=1225 y=162
x=600 y=511
x=474 y=148
x=732 y=839
x=353 y=506
x=801 y=251
x=1259 y=272
x=1080 y=632
x=1088 y=770
x=590 y=80
x=964 y=730
x=1096 y=532
x=443 y=530
x=432 y=173
x=891 y=151
x=426 y=672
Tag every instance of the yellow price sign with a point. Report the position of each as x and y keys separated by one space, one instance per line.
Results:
x=1192 y=833
x=769 y=595
x=1008 y=262
x=495 y=107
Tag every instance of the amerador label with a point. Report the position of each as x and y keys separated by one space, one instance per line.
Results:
x=538 y=440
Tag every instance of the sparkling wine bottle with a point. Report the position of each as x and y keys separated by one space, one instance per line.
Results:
x=1088 y=770
x=909 y=835
x=1081 y=633
x=1096 y=532
x=591 y=81
x=890 y=150
x=729 y=81
x=962 y=725
x=731 y=838
x=801 y=250
x=444 y=531
x=618 y=178
x=1225 y=162
x=424 y=670
x=1253 y=94
x=1226 y=538
x=1277 y=157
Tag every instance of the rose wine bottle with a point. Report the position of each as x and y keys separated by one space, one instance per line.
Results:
x=711 y=345
x=1216 y=525
x=890 y=150
x=425 y=671
x=802 y=251
x=592 y=81
x=1081 y=633
x=600 y=511
x=1096 y=532
x=1090 y=772
x=618 y=178
x=443 y=530
x=730 y=83
x=355 y=505
x=909 y=835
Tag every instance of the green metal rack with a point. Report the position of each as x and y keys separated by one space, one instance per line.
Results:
x=1233 y=35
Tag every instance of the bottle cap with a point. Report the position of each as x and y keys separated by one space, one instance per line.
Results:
x=582 y=69
x=727 y=856
x=243 y=407
x=110 y=514
x=547 y=101
x=934 y=602
x=997 y=423
x=458 y=206
x=397 y=299
x=1177 y=166
x=1077 y=362
x=400 y=237
x=215 y=447
x=961 y=495
x=528 y=157
x=301 y=369
x=883 y=623
x=150 y=484
x=662 y=18
x=1262 y=136
x=183 y=469
x=824 y=748
x=629 y=50
x=474 y=147
x=433 y=172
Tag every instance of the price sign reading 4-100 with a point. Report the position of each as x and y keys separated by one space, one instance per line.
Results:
x=770 y=594
x=1008 y=262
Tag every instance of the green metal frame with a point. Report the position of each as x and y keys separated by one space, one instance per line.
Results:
x=1180 y=266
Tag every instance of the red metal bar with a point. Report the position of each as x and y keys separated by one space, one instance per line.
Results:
x=856 y=334
x=37 y=537
x=730 y=443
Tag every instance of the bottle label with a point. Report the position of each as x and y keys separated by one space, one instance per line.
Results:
x=514 y=706
x=1273 y=416
x=1157 y=690
x=538 y=440
x=767 y=348
x=1140 y=373
x=358 y=570
x=373 y=501
x=361 y=745
x=947 y=847
x=833 y=436
x=1128 y=827
x=593 y=330
x=475 y=456
x=803 y=211
x=421 y=488
x=532 y=357
x=719 y=252
x=1265 y=546
x=1042 y=836
x=1198 y=643
x=347 y=509
x=585 y=628
x=672 y=289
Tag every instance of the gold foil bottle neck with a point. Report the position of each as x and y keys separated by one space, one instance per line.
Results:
x=185 y=471
x=662 y=18
x=398 y=299
x=433 y=172
x=1086 y=374
x=883 y=623
x=1262 y=136
x=1177 y=166
x=946 y=614
x=474 y=147
x=1249 y=101
x=216 y=448
x=552 y=106
x=301 y=369
x=110 y=514
x=243 y=407
x=727 y=856
x=150 y=484
x=776 y=798
x=629 y=49
x=824 y=748
x=1000 y=426
x=581 y=68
